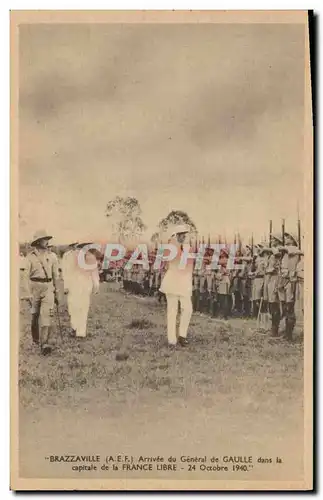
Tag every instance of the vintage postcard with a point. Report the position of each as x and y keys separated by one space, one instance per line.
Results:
x=161 y=236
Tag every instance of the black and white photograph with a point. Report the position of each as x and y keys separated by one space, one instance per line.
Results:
x=162 y=250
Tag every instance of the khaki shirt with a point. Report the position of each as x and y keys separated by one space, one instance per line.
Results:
x=39 y=262
x=289 y=263
x=273 y=265
x=36 y=262
x=260 y=265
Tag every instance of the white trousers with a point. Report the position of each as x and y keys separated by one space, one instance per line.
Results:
x=78 y=300
x=186 y=313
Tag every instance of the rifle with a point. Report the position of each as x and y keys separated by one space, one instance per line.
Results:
x=283 y=232
x=251 y=244
x=270 y=232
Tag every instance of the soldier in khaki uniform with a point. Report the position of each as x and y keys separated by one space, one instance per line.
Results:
x=236 y=285
x=246 y=284
x=203 y=288
x=266 y=253
x=41 y=282
x=223 y=279
x=257 y=274
x=209 y=275
x=272 y=273
x=288 y=280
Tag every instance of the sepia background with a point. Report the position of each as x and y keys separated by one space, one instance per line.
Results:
x=202 y=118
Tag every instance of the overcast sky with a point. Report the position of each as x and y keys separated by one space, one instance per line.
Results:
x=202 y=118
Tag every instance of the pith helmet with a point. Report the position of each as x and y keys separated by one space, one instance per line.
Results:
x=40 y=235
x=293 y=237
x=277 y=238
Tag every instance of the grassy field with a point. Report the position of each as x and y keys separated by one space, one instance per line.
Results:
x=251 y=384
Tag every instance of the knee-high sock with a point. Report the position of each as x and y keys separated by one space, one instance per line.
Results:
x=35 y=327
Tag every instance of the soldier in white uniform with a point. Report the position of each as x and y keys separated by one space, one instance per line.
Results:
x=79 y=284
x=177 y=286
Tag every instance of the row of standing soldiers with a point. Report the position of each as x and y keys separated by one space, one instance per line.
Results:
x=269 y=280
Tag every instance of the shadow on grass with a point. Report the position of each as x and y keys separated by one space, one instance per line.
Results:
x=141 y=324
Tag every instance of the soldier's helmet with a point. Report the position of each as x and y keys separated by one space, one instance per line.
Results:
x=276 y=240
x=40 y=235
x=292 y=237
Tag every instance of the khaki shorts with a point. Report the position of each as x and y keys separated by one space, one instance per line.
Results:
x=257 y=288
x=286 y=291
x=42 y=301
x=272 y=288
x=223 y=288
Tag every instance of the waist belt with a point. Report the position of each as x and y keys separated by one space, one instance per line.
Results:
x=41 y=280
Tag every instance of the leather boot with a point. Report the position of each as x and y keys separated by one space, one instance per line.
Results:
x=288 y=331
x=246 y=307
x=283 y=306
x=290 y=321
x=275 y=319
x=255 y=309
x=194 y=301
x=35 y=328
x=44 y=338
x=198 y=301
